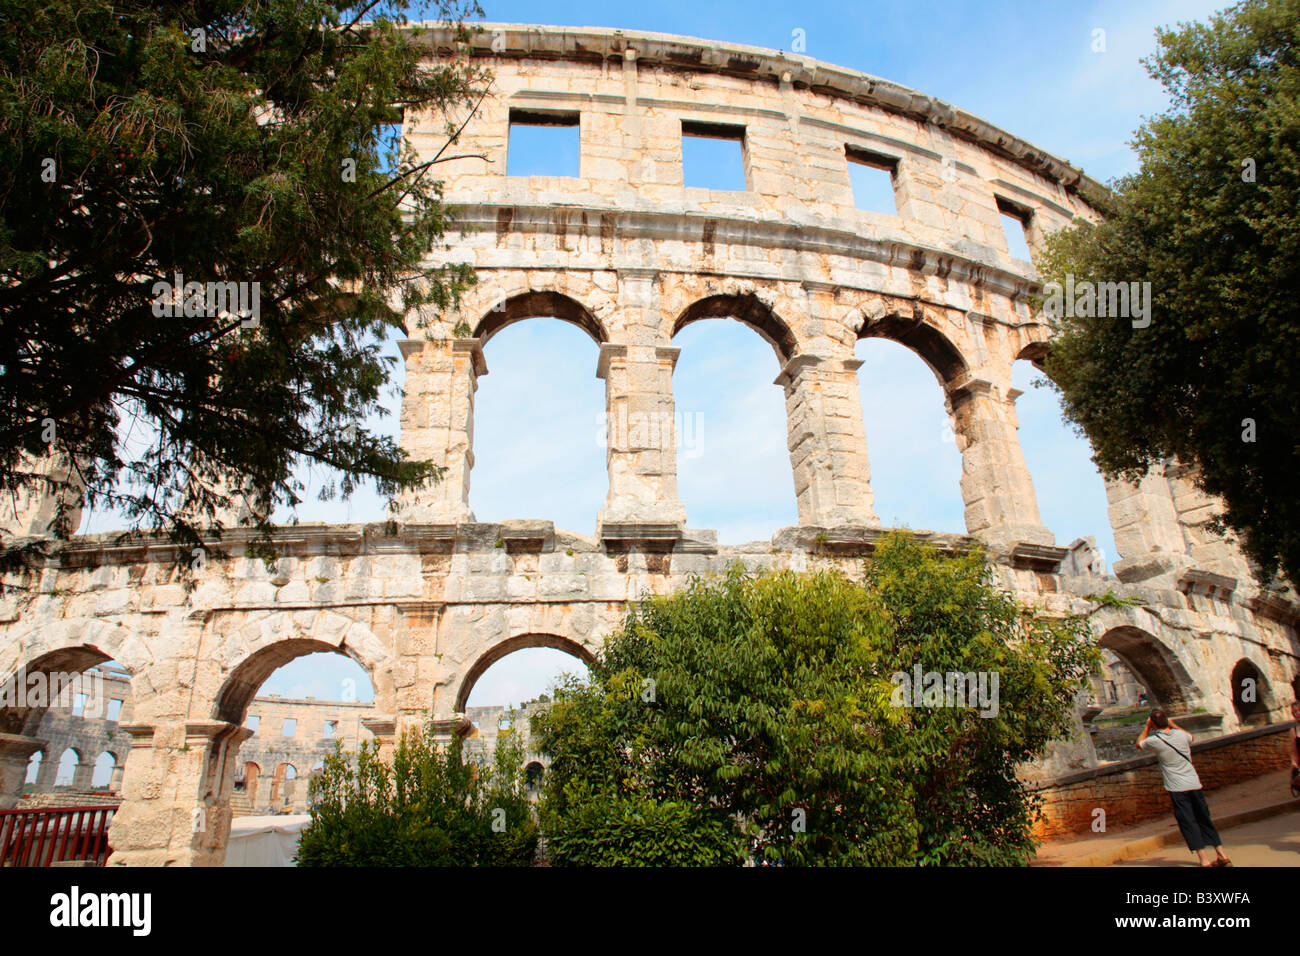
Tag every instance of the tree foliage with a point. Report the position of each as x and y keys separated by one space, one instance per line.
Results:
x=760 y=714
x=1212 y=220
x=427 y=807
x=239 y=141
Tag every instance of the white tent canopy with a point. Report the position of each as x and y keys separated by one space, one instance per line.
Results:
x=264 y=841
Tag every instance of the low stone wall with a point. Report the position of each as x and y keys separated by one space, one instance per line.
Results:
x=1132 y=791
x=70 y=798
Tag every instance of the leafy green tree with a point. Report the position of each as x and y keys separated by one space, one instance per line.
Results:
x=764 y=714
x=427 y=807
x=232 y=141
x=1212 y=220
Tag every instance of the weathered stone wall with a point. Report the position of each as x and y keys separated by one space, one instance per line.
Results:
x=89 y=732
x=631 y=256
x=274 y=769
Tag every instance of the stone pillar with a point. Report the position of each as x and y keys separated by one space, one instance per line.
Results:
x=176 y=795
x=49 y=771
x=15 y=751
x=32 y=511
x=995 y=482
x=1145 y=522
x=438 y=425
x=85 y=772
x=1208 y=550
x=828 y=445
x=641 y=437
x=385 y=733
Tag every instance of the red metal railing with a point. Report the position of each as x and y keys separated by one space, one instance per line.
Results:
x=45 y=835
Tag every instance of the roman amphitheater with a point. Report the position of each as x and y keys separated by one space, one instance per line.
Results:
x=630 y=255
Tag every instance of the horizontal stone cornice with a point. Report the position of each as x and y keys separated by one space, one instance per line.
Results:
x=478 y=214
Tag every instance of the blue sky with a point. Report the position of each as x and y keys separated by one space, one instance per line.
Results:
x=1041 y=70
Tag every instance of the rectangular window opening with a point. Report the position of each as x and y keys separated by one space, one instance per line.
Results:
x=872 y=177
x=114 y=710
x=253 y=722
x=1015 y=223
x=543 y=143
x=713 y=156
x=290 y=728
x=331 y=728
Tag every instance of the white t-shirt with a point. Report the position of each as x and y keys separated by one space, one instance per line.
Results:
x=1173 y=748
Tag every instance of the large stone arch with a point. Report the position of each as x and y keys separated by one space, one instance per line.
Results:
x=262 y=646
x=1036 y=352
x=509 y=645
x=538 y=303
x=66 y=646
x=749 y=307
x=918 y=331
x=1152 y=661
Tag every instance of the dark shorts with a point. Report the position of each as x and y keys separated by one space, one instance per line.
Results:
x=1193 y=815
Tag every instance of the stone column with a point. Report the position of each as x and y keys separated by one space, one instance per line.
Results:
x=828 y=445
x=641 y=438
x=15 y=751
x=49 y=771
x=438 y=425
x=1145 y=522
x=1208 y=550
x=385 y=733
x=176 y=795
x=995 y=482
x=85 y=772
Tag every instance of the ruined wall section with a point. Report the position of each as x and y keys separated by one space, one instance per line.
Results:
x=631 y=256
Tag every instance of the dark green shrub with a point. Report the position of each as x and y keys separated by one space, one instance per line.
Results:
x=428 y=807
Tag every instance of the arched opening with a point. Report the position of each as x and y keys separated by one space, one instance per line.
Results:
x=1165 y=680
x=246 y=780
x=1135 y=674
x=78 y=697
x=51 y=680
x=536 y=662
x=1251 y=698
x=531 y=305
x=533 y=776
x=916 y=467
x=747 y=309
x=332 y=673
x=33 y=769
x=105 y=768
x=288 y=694
x=283 y=788
x=1070 y=491
x=538 y=423
x=510 y=683
x=69 y=765
x=733 y=457
x=912 y=331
